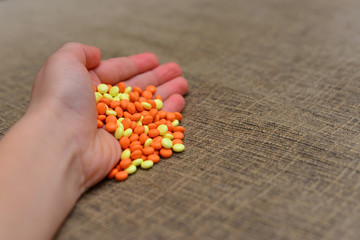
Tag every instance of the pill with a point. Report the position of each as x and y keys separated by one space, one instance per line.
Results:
x=131 y=169
x=121 y=176
x=166 y=143
x=147 y=164
x=178 y=147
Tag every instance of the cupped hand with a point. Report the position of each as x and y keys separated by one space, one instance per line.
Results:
x=63 y=92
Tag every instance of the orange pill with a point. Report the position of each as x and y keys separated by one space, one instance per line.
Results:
x=131 y=108
x=136 y=154
x=162 y=114
x=153 y=157
x=134 y=96
x=151 y=88
x=139 y=107
x=126 y=122
x=170 y=126
x=157 y=139
x=152 y=126
x=153 y=112
x=115 y=104
x=157 y=118
x=94 y=88
x=121 y=175
x=139 y=129
x=136 y=147
x=124 y=103
x=100 y=124
x=179 y=129
x=134 y=144
x=119 y=112
x=147 y=120
x=136 y=117
x=112 y=173
x=133 y=125
x=178 y=135
x=170 y=116
x=101 y=108
x=124 y=142
x=145 y=113
x=178 y=116
x=111 y=118
x=147 y=94
x=101 y=117
x=177 y=141
x=121 y=87
x=148 y=150
x=143 y=137
x=134 y=137
x=124 y=163
x=153 y=133
x=142 y=99
x=127 y=115
x=158 y=97
x=165 y=153
x=157 y=152
x=156 y=145
x=110 y=127
x=105 y=100
x=138 y=90
x=144 y=157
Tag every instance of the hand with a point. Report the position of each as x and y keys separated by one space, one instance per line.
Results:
x=65 y=85
x=63 y=150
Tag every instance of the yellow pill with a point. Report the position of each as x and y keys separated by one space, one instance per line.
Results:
x=163 y=129
x=111 y=112
x=139 y=123
x=178 y=147
x=119 y=132
x=146 y=129
x=102 y=88
x=147 y=164
x=117 y=98
x=166 y=143
x=159 y=104
x=148 y=142
x=137 y=162
x=127 y=90
x=131 y=169
x=98 y=96
x=125 y=96
x=108 y=96
x=146 y=105
x=175 y=123
x=128 y=132
x=169 y=136
x=125 y=154
x=114 y=91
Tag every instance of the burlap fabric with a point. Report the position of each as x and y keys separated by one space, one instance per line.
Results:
x=272 y=116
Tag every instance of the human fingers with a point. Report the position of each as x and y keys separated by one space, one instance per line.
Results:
x=114 y=70
x=178 y=85
x=156 y=76
x=174 y=103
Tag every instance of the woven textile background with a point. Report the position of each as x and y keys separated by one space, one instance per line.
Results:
x=272 y=115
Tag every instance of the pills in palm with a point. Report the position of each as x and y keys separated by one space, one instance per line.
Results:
x=145 y=132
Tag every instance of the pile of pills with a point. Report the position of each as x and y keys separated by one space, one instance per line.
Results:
x=145 y=132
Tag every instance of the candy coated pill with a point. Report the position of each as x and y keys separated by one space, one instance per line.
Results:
x=159 y=104
x=163 y=129
x=178 y=147
x=114 y=91
x=131 y=169
x=165 y=153
x=146 y=105
x=137 y=162
x=154 y=158
x=111 y=127
x=102 y=88
x=125 y=154
x=166 y=143
x=147 y=164
x=121 y=176
x=128 y=132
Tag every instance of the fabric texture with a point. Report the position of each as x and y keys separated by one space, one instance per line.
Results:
x=272 y=116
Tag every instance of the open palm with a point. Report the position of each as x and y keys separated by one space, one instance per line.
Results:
x=64 y=88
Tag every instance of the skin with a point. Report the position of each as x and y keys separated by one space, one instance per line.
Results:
x=51 y=156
